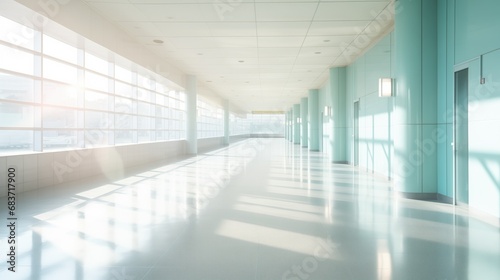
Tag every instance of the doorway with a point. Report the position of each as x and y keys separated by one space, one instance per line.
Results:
x=461 y=137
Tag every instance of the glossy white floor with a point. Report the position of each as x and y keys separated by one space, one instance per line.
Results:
x=260 y=209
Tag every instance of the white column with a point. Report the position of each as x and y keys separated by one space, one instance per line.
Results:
x=191 y=112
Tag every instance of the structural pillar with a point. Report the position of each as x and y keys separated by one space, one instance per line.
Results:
x=339 y=128
x=313 y=112
x=304 y=125
x=191 y=115
x=415 y=111
x=226 y=123
x=290 y=125
x=296 y=124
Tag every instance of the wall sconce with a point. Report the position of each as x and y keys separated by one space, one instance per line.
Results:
x=327 y=111
x=385 y=87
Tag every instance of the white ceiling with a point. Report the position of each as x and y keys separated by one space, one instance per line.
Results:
x=260 y=55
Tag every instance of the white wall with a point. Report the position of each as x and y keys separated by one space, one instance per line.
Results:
x=39 y=170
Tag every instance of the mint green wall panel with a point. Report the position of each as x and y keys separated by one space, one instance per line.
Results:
x=428 y=147
x=296 y=124
x=476 y=28
x=338 y=119
x=484 y=135
x=324 y=125
x=314 y=119
x=446 y=64
x=449 y=153
x=444 y=166
x=375 y=143
x=416 y=55
x=429 y=65
x=304 y=126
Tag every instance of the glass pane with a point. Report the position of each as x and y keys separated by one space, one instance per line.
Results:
x=144 y=108
x=124 y=105
x=59 y=71
x=59 y=118
x=144 y=136
x=124 y=136
x=16 y=88
x=96 y=64
x=17 y=34
x=96 y=81
x=58 y=49
x=16 y=115
x=16 y=60
x=144 y=122
x=96 y=138
x=159 y=124
x=16 y=141
x=59 y=94
x=123 y=89
x=97 y=101
x=144 y=82
x=123 y=74
x=59 y=139
x=125 y=121
x=160 y=99
x=160 y=135
x=144 y=95
x=96 y=120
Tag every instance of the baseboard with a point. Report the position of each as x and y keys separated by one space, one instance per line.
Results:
x=419 y=196
x=444 y=199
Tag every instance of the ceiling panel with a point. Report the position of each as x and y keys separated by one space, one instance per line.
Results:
x=183 y=29
x=349 y=10
x=276 y=42
x=245 y=49
x=290 y=11
x=337 y=28
x=288 y=28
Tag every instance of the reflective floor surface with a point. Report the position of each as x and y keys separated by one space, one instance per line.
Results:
x=261 y=209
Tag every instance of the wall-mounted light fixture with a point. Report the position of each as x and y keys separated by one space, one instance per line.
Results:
x=385 y=87
x=327 y=111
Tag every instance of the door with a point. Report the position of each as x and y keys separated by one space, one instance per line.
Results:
x=356 y=134
x=461 y=136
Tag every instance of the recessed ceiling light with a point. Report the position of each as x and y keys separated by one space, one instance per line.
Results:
x=209 y=81
x=200 y=53
x=158 y=41
x=326 y=41
x=317 y=53
x=241 y=61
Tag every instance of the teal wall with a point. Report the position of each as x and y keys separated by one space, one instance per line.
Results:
x=465 y=29
x=375 y=116
x=361 y=83
x=432 y=39
x=446 y=64
x=477 y=23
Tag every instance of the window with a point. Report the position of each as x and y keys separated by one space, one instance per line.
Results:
x=96 y=64
x=16 y=60
x=61 y=96
x=59 y=50
x=16 y=88
x=210 y=120
x=59 y=71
